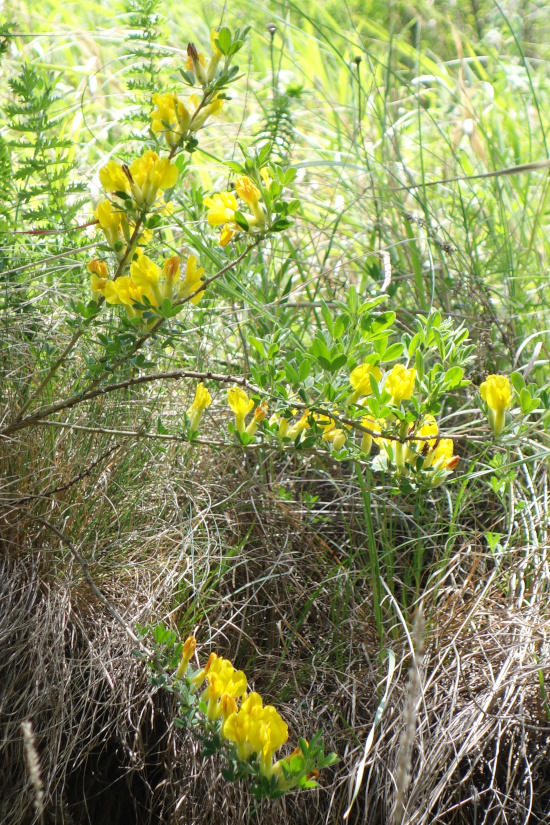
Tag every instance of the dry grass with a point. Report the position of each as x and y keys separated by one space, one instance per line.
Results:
x=262 y=579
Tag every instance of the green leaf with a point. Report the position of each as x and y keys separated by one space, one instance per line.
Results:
x=258 y=345
x=291 y=374
x=352 y=300
x=280 y=225
x=223 y=40
x=453 y=377
x=304 y=369
x=289 y=176
x=241 y=221
x=419 y=364
x=517 y=381
x=236 y=167
x=338 y=362
x=319 y=348
x=525 y=401
x=393 y=352
x=297 y=763
x=327 y=317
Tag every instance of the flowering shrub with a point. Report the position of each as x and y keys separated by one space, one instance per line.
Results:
x=215 y=704
x=355 y=387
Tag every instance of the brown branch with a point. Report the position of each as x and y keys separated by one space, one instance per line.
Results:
x=81 y=397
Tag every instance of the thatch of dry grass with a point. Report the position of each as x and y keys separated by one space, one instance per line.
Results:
x=263 y=582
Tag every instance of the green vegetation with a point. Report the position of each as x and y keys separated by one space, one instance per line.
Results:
x=368 y=584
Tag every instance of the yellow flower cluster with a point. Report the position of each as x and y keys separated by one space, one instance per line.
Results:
x=496 y=391
x=437 y=453
x=144 y=280
x=145 y=180
x=254 y=729
x=223 y=205
x=175 y=120
x=241 y=405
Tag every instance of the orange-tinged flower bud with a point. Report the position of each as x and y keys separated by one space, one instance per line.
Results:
x=259 y=414
x=99 y=268
x=246 y=190
x=171 y=268
x=189 y=647
x=211 y=659
x=228 y=705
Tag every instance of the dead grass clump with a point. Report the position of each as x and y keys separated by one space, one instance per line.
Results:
x=235 y=551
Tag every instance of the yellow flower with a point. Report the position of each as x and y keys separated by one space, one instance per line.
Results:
x=141 y=168
x=189 y=648
x=197 y=679
x=108 y=217
x=165 y=117
x=171 y=272
x=199 y=116
x=247 y=191
x=336 y=437
x=221 y=212
x=221 y=208
x=235 y=729
x=252 y=705
x=212 y=694
x=443 y=455
x=226 y=234
x=145 y=275
x=228 y=705
x=215 y=59
x=299 y=426
x=241 y=405
x=250 y=194
x=266 y=735
x=360 y=381
x=192 y=280
x=99 y=276
x=149 y=176
x=164 y=174
x=113 y=178
x=111 y=222
x=496 y=391
x=125 y=291
x=215 y=49
x=440 y=458
x=423 y=445
x=202 y=400
x=400 y=383
x=259 y=414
